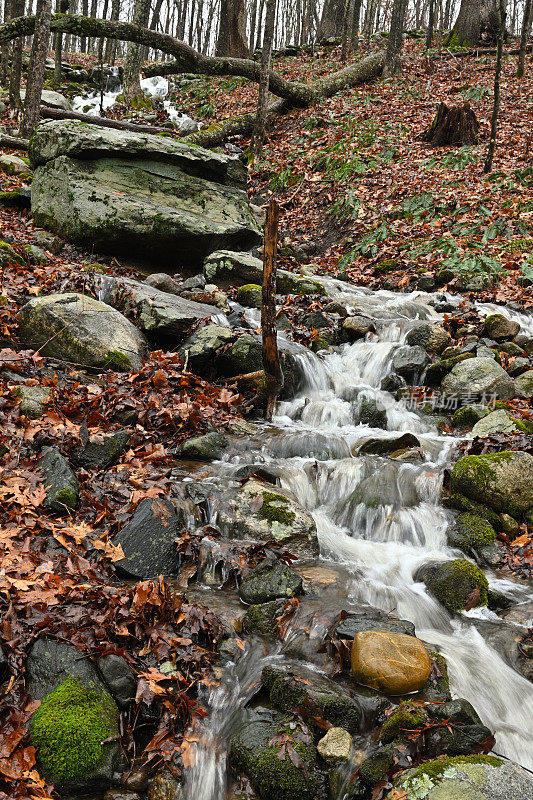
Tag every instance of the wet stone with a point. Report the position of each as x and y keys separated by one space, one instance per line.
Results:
x=268 y=581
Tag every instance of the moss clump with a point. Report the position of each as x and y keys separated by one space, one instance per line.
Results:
x=472 y=532
x=250 y=295
x=462 y=503
x=454 y=582
x=467 y=416
x=404 y=719
x=386 y=266
x=375 y=767
x=68 y=729
x=276 y=508
x=435 y=770
x=117 y=361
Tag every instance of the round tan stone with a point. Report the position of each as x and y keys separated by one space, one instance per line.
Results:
x=335 y=746
x=393 y=662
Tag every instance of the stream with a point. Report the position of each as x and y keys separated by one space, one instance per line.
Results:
x=378 y=546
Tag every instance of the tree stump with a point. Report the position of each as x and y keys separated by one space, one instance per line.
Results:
x=453 y=125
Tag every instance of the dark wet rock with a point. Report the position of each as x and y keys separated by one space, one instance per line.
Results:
x=104 y=451
x=200 y=347
x=316 y=319
x=503 y=481
x=437 y=371
x=388 y=445
x=518 y=367
x=376 y=766
x=263 y=618
x=431 y=337
x=148 y=540
x=209 y=447
x=458 y=712
x=241 y=357
x=269 y=581
x=467 y=416
x=119 y=678
x=34 y=255
x=372 y=413
x=372 y=621
x=460 y=740
x=74 y=327
x=62 y=489
x=164 y=786
x=164 y=283
x=391 y=383
x=4 y=665
x=409 y=362
x=426 y=283
x=455 y=584
x=50 y=663
x=478 y=377
x=462 y=503
x=252 y=750
x=357 y=327
x=34 y=399
x=226 y=268
x=500 y=328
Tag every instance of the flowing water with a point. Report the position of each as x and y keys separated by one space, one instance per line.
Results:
x=382 y=543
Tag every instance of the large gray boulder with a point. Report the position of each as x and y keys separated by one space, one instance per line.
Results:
x=503 y=481
x=226 y=268
x=52 y=99
x=478 y=377
x=139 y=194
x=154 y=311
x=496 y=422
x=77 y=328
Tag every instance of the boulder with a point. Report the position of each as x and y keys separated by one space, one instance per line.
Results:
x=372 y=413
x=119 y=677
x=503 y=481
x=389 y=444
x=12 y=165
x=226 y=269
x=140 y=195
x=50 y=663
x=336 y=746
x=456 y=584
x=374 y=620
x=268 y=581
x=476 y=777
x=524 y=385
x=164 y=282
x=34 y=254
x=468 y=415
x=432 y=338
x=101 y=452
x=471 y=532
x=357 y=327
x=154 y=311
x=75 y=327
x=34 y=399
x=263 y=618
x=261 y=512
x=518 y=366
x=409 y=362
x=52 y=99
x=209 y=447
x=255 y=749
x=62 y=489
x=243 y=356
x=8 y=256
x=478 y=377
x=495 y=422
x=500 y=328
x=200 y=347
x=250 y=295
x=436 y=372
x=147 y=540
x=392 y=662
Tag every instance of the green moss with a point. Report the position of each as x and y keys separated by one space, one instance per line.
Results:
x=68 y=729
x=404 y=719
x=524 y=425
x=386 y=266
x=375 y=767
x=100 y=269
x=455 y=582
x=118 y=361
x=462 y=503
x=276 y=508
x=434 y=770
x=478 y=474
x=472 y=532
x=467 y=416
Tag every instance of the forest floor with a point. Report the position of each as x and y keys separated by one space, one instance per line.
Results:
x=361 y=197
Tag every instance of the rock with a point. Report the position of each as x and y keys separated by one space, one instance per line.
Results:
x=74 y=327
x=372 y=413
x=503 y=481
x=409 y=362
x=357 y=327
x=388 y=445
x=70 y=730
x=148 y=540
x=139 y=194
x=263 y=618
x=518 y=367
x=436 y=372
x=121 y=794
x=372 y=621
x=164 y=786
x=119 y=678
x=335 y=746
x=194 y=282
x=200 y=348
x=62 y=489
x=458 y=712
x=209 y=447
x=154 y=311
x=475 y=283
x=227 y=269
x=34 y=254
x=476 y=777
x=500 y=328
x=470 y=414
x=50 y=663
x=392 y=662
x=262 y=512
x=52 y=99
x=20 y=197
x=403 y=720
x=495 y=422
x=250 y=295
x=455 y=584
x=4 y=665
x=164 y=283
x=374 y=768
x=524 y=385
x=252 y=750
x=471 y=532
x=426 y=283
x=12 y=165
x=101 y=452
x=478 y=377
x=432 y=338
x=243 y=356
x=9 y=257
x=34 y=398
x=47 y=240
x=268 y=581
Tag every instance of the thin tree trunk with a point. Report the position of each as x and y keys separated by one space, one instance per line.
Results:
x=394 y=46
x=262 y=99
x=356 y=19
x=231 y=39
x=431 y=24
x=133 y=94
x=523 y=39
x=496 y=106
x=271 y=363
x=4 y=57
x=16 y=63
x=345 y=27
x=58 y=47
x=111 y=45
x=39 y=51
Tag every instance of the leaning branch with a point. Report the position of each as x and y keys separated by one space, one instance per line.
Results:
x=56 y=113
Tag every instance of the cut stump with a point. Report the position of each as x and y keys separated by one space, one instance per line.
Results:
x=453 y=125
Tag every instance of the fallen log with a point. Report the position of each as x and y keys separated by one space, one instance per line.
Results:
x=56 y=113
x=13 y=142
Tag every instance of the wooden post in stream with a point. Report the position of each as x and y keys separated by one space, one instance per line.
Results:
x=273 y=375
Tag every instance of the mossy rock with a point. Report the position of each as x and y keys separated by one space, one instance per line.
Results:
x=8 y=256
x=250 y=295
x=62 y=488
x=454 y=584
x=467 y=416
x=401 y=722
x=437 y=371
x=386 y=266
x=471 y=532
x=375 y=767
x=458 y=778
x=68 y=730
x=503 y=481
x=461 y=503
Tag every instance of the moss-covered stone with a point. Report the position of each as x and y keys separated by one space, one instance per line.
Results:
x=276 y=508
x=401 y=722
x=462 y=503
x=62 y=489
x=8 y=256
x=467 y=416
x=461 y=777
x=503 y=481
x=250 y=295
x=437 y=371
x=455 y=582
x=386 y=266
x=68 y=730
x=375 y=767
x=263 y=618
x=471 y=532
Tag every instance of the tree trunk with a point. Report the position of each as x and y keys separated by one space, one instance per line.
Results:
x=394 y=45
x=58 y=45
x=111 y=45
x=4 y=56
x=455 y=125
x=271 y=363
x=332 y=19
x=496 y=106
x=528 y=8
x=431 y=24
x=133 y=94
x=17 y=7
x=356 y=19
x=266 y=57
x=476 y=23
x=348 y=12
x=231 y=39
x=39 y=51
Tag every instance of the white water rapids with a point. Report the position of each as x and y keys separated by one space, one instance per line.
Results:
x=381 y=544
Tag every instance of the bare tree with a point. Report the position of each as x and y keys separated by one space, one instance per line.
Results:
x=133 y=94
x=526 y=23
x=496 y=106
x=231 y=39
x=39 y=51
x=266 y=57
x=356 y=18
x=431 y=24
x=394 y=45
x=17 y=7
x=476 y=23
x=332 y=20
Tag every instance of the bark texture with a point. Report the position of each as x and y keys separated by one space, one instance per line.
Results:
x=266 y=57
x=133 y=93
x=526 y=24
x=271 y=362
x=231 y=39
x=39 y=51
x=476 y=23
x=453 y=125
x=331 y=22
